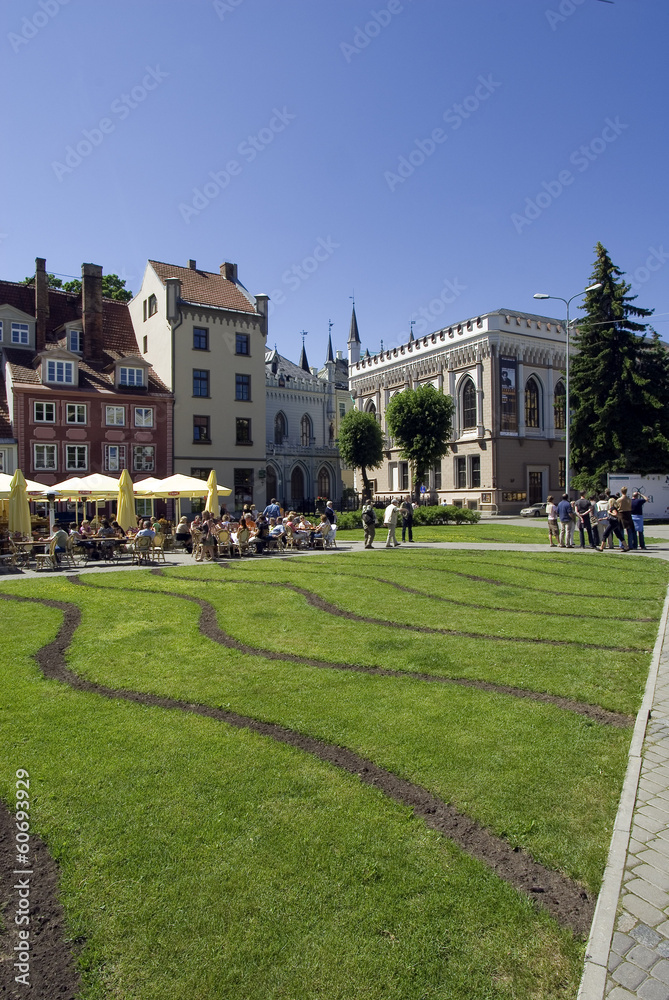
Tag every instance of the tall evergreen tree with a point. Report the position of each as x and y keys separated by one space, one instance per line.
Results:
x=616 y=384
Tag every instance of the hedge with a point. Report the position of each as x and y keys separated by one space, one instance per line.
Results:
x=422 y=515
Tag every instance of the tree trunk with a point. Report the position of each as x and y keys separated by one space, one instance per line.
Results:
x=367 y=486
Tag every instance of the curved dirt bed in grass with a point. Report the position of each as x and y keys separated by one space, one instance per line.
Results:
x=210 y=628
x=567 y=902
x=53 y=973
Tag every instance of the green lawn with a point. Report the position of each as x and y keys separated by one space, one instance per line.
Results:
x=535 y=533
x=206 y=861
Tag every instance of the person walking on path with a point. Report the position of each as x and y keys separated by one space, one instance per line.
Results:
x=583 y=509
x=407 y=518
x=369 y=524
x=390 y=522
x=552 y=512
x=638 y=500
x=566 y=518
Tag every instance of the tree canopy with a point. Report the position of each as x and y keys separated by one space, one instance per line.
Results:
x=420 y=420
x=361 y=444
x=113 y=287
x=619 y=384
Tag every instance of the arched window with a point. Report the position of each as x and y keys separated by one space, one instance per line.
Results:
x=560 y=407
x=306 y=432
x=370 y=407
x=297 y=485
x=323 y=482
x=468 y=398
x=532 y=403
x=280 y=429
x=271 y=483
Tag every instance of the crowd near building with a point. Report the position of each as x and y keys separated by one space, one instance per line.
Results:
x=181 y=379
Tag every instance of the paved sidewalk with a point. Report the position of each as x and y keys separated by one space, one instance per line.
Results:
x=628 y=950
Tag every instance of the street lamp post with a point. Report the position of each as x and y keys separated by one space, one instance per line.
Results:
x=567 y=423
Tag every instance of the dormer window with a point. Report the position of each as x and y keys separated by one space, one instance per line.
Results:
x=20 y=332
x=61 y=372
x=74 y=341
x=131 y=376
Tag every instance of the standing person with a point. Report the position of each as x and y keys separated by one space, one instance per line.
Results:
x=552 y=512
x=625 y=514
x=566 y=518
x=583 y=509
x=390 y=522
x=407 y=518
x=638 y=500
x=330 y=512
x=272 y=510
x=615 y=528
x=369 y=524
x=602 y=515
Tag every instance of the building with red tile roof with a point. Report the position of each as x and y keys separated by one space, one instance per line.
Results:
x=76 y=395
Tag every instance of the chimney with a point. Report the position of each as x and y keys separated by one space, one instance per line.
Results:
x=192 y=265
x=229 y=271
x=339 y=356
x=91 y=309
x=262 y=308
x=41 y=303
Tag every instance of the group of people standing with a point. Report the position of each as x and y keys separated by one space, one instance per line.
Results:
x=598 y=518
x=393 y=511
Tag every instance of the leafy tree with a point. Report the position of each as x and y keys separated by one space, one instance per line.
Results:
x=361 y=444
x=113 y=287
x=421 y=422
x=619 y=384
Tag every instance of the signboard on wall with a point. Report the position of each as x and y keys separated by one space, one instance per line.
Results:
x=508 y=394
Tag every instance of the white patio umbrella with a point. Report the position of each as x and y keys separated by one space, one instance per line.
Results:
x=35 y=491
x=176 y=486
x=94 y=487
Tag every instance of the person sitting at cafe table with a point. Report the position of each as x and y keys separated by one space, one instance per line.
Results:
x=260 y=534
x=183 y=535
x=320 y=531
x=60 y=538
x=146 y=531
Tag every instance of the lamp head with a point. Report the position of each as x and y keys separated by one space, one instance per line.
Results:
x=593 y=287
x=541 y=295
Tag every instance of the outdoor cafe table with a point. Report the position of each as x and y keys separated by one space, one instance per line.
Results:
x=25 y=548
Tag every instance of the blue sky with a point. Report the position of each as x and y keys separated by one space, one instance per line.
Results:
x=436 y=158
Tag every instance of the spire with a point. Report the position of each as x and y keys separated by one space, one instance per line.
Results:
x=411 y=336
x=354 y=336
x=304 y=364
x=330 y=354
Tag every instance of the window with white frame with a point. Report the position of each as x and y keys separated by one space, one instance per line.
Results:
x=60 y=371
x=532 y=404
x=144 y=458
x=74 y=341
x=468 y=405
x=143 y=507
x=115 y=416
x=44 y=413
x=75 y=413
x=114 y=457
x=20 y=333
x=44 y=457
x=143 y=416
x=76 y=457
x=131 y=376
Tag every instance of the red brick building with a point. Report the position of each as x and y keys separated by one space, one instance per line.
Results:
x=78 y=395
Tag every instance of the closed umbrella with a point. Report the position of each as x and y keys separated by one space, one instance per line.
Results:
x=125 y=504
x=19 y=508
x=212 y=494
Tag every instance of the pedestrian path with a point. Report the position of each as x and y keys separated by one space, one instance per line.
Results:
x=628 y=950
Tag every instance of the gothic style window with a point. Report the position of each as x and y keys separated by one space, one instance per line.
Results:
x=560 y=407
x=280 y=429
x=306 y=432
x=532 y=408
x=468 y=405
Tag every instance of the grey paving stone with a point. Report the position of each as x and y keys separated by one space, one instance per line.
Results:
x=643 y=910
x=628 y=975
x=661 y=971
x=625 y=923
x=645 y=936
x=663 y=929
x=652 y=990
x=619 y=994
x=654 y=858
x=661 y=846
x=653 y=825
x=642 y=836
x=614 y=961
x=657 y=812
x=635 y=847
x=622 y=942
x=649 y=892
x=650 y=874
x=643 y=957
x=663 y=949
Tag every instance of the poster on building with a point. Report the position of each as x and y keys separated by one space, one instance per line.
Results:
x=508 y=394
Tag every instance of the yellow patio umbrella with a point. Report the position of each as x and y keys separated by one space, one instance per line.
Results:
x=19 y=508
x=212 y=494
x=125 y=503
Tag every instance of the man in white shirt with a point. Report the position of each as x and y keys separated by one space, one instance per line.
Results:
x=390 y=522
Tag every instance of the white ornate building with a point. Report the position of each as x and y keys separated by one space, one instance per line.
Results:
x=505 y=372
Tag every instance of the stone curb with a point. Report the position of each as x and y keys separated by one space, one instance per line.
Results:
x=593 y=982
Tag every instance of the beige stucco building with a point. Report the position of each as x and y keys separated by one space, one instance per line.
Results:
x=205 y=335
x=505 y=372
